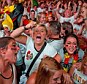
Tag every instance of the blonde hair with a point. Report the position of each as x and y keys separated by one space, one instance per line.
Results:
x=47 y=68
x=41 y=25
x=40 y=15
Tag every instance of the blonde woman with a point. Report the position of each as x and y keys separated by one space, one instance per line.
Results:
x=49 y=72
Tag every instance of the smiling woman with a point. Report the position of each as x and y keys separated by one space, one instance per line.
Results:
x=71 y=53
x=8 y=52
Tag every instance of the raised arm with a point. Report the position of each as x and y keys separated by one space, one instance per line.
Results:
x=78 y=11
x=57 y=10
x=77 y=66
x=17 y=32
x=31 y=3
x=74 y=6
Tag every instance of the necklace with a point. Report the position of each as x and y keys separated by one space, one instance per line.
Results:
x=9 y=76
x=67 y=58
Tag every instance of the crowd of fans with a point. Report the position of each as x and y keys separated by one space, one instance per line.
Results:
x=43 y=42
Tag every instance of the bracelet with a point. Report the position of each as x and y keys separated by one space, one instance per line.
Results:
x=25 y=28
x=85 y=18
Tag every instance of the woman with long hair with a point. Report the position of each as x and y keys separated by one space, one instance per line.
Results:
x=49 y=72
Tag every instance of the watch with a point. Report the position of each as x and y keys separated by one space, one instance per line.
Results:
x=25 y=28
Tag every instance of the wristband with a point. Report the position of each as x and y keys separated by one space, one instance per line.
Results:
x=85 y=18
x=25 y=28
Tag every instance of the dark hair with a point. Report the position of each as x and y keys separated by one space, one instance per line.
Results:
x=74 y=36
x=32 y=11
x=68 y=27
x=41 y=3
x=85 y=1
x=71 y=35
x=1 y=27
x=55 y=27
x=25 y=16
x=71 y=5
x=4 y=41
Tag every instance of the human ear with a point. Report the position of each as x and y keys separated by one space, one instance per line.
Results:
x=2 y=51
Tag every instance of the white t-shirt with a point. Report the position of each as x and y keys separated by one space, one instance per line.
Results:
x=2 y=33
x=14 y=73
x=31 y=52
x=57 y=44
x=64 y=19
x=40 y=10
